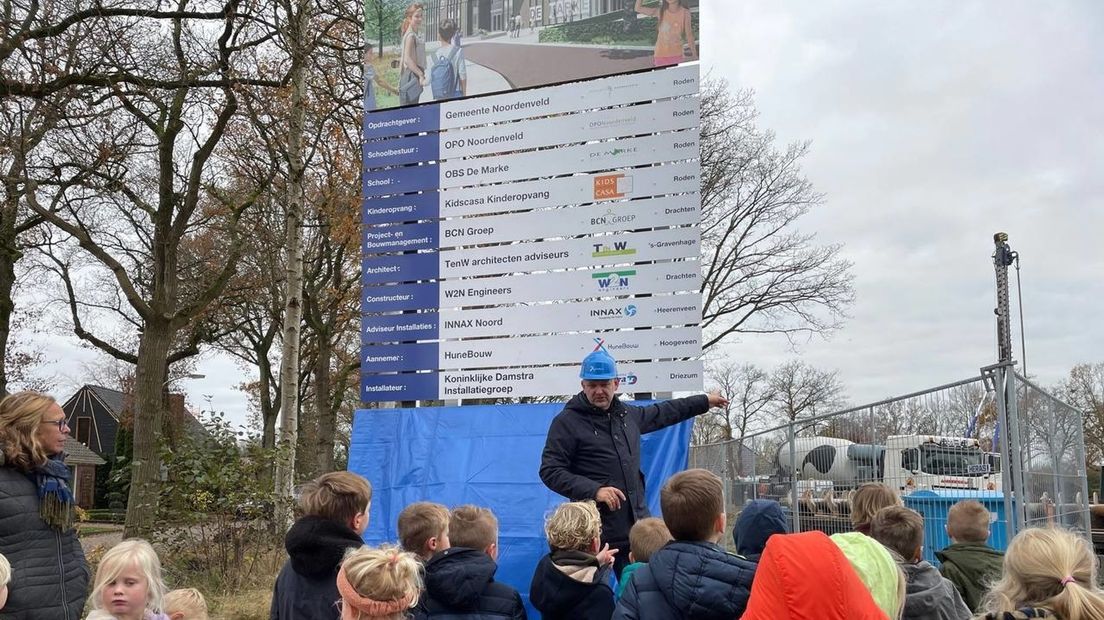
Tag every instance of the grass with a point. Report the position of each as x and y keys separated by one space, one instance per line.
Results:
x=249 y=604
x=390 y=76
x=92 y=529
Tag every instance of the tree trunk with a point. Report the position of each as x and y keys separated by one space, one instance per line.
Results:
x=9 y=254
x=153 y=350
x=293 y=309
x=324 y=408
x=269 y=411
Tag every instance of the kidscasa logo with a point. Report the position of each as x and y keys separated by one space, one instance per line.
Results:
x=613 y=313
x=617 y=248
x=611 y=186
x=614 y=152
x=609 y=219
x=613 y=280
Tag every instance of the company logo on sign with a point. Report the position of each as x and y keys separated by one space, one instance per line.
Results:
x=613 y=280
x=618 y=248
x=611 y=219
x=629 y=379
x=610 y=186
x=614 y=152
x=613 y=313
x=615 y=122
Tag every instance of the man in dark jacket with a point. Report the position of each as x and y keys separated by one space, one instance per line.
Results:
x=692 y=576
x=459 y=581
x=592 y=451
x=335 y=507
x=759 y=520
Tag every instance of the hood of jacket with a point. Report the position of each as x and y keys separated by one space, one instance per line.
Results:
x=806 y=577
x=759 y=519
x=317 y=545
x=973 y=557
x=875 y=566
x=702 y=580
x=556 y=594
x=929 y=595
x=458 y=576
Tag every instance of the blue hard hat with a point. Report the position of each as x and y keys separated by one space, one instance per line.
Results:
x=598 y=366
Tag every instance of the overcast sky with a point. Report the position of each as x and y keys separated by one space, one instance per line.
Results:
x=933 y=125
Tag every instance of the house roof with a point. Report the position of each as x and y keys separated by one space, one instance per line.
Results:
x=76 y=453
x=115 y=402
x=112 y=399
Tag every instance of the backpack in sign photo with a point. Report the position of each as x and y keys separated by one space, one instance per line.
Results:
x=442 y=76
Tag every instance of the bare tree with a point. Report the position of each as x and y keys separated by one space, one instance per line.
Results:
x=147 y=195
x=759 y=273
x=1084 y=389
x=803 y=391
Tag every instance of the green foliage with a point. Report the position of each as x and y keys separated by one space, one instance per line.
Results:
x=382 y=20
x=117 y=487
x=215 y=509
x=610 y=29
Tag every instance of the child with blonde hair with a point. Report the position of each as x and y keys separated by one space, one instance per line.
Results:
x=185 y=604
x=379 y=582
x=1048 y=573
x=128 y=584
x=645 y=538
x=867 y=500
x=573 y=581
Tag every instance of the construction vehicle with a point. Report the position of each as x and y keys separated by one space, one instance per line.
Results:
x=905 y=462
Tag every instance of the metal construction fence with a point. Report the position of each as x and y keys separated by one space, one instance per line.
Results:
x=935 y=447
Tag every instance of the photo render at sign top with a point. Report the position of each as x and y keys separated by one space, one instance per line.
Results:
x=933 y=126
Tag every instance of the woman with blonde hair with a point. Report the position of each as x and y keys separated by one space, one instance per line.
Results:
x=37 y=509
x=1048 y=573
x=412 y=62
x=382 y=582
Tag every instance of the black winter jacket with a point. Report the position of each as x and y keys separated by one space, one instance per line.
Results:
x=588 y=448
x=688 y=580
x=459 y=583
x=306 y=588
x=49 y=574
x=559 y=597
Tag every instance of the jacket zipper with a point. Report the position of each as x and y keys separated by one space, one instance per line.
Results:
x=61 y=568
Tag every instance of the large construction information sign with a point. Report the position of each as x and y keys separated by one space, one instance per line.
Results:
x=504 y=235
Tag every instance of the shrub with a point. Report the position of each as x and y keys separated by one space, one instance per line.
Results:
x=214 y=516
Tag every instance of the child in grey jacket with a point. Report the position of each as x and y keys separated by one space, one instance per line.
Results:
x=928 y=595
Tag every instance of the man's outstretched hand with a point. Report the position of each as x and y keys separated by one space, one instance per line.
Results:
x=716 y=400
x=610 y=496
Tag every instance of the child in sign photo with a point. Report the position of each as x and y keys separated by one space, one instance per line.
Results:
x=674 y=25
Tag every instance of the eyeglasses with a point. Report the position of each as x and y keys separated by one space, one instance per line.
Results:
x=60 y=423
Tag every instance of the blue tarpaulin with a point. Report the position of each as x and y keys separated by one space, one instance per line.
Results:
x=483 y=455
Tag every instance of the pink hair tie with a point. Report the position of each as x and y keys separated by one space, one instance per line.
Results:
x=1068 y=579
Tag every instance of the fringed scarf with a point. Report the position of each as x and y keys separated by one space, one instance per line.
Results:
x=55 y=498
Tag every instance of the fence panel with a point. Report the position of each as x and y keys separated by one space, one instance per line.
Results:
x=1052 y=454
